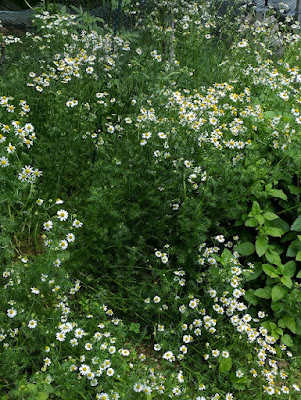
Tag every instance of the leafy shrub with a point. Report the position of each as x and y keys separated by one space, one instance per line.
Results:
x=275 y=277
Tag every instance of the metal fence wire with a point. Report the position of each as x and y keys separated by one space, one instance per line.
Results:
x=127 y=15
x=116 y=14
x=132 y=14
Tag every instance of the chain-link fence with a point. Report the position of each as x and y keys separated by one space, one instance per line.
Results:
x=123 y=15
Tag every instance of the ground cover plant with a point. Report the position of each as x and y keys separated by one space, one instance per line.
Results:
x=150 y=205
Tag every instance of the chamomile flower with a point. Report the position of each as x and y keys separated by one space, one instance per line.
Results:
x=77 y=224
x=57 y=262
x=164 y=258
x=169 y=356
x=48 y=225
x=60 y=336
x=79 y=333
x=4 y=162
x=70 y=237
x=11 y=313
x=10 y=148
x=84 y=369
x=157 y=299
x=32 y=324
x=63 y=244
x=72 y=103
x=73 y=342
x=62 y=215
x=88 y=346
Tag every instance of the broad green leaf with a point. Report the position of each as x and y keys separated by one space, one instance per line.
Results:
x=256 y=272
x=278 y=293
x=298 y=275
x=245 y=249
x=278 y=223
x=42 y=396
x=298 y=256
x=294 y=189
x=241 y=380
x=261 y=245
x=277 y=193
x=260 y=219
x=269 y=325
x=281 y=323
x=31 y=387
x=288 y=237
x=289 y=269
x=270 y=216
x=294 y=248
x=225 y=364
x=275 y=232
x=250 y=297
x=287 y=281
x=270 y=270
x=297 y=224
x=276 y=306
x=273 y=257
x=275 y=335
x=226 y=256
x=251 y=222
x=269 y=114
x=264 y=293
x=256 y=208
x=287 y=340
x=290 y=323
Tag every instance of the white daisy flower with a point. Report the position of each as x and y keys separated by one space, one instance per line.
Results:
x=62 y=215
x=32 y=324
x=11 y=313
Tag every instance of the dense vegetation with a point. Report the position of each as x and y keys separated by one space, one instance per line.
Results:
x=150 y=219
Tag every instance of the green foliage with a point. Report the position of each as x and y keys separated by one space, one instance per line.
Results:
x=178 y=145
x=84 y=19
x=274 y=242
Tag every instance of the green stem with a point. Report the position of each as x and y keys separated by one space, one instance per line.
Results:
x=288 y=209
